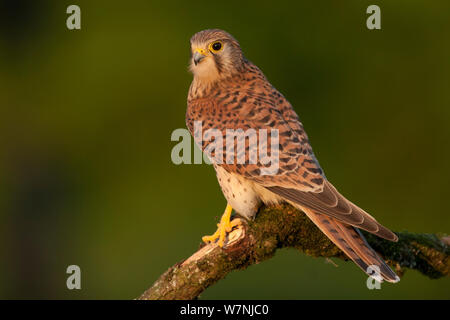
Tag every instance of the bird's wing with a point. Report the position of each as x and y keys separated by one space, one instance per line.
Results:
x=330 y=202
x=249 y=109
x=299 y=179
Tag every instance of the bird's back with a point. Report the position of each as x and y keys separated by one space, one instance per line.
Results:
x=248 y=101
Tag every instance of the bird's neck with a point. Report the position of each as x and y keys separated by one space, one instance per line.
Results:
x=202 y=87
x=205 y=88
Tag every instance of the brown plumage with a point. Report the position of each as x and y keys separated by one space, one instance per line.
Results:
x=229 y=92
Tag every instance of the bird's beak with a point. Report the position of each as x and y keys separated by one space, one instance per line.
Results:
x=198 y=56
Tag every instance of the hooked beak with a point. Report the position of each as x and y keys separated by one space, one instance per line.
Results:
x=198 y=56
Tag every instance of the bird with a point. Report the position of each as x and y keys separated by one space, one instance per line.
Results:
x=228 y=92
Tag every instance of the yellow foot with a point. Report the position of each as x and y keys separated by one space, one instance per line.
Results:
x=224 y=227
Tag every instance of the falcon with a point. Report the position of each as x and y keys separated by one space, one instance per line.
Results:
x=228 y=92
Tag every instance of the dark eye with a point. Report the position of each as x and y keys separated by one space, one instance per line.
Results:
x=216 y=46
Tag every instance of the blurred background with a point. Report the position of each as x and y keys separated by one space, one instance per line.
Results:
x=86 y=116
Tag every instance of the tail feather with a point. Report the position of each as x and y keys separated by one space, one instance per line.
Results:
x=353 y=244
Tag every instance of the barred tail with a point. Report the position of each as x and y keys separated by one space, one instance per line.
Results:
x=352 y=242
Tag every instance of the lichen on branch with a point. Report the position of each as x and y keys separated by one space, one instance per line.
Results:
x=283 y=226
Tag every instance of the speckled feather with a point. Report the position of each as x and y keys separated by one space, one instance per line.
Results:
x=238 y=96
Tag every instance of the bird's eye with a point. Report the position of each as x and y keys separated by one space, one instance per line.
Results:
x=216 y=46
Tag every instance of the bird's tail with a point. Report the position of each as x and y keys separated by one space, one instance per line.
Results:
x=350 y=240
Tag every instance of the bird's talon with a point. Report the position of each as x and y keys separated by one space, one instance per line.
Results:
x=236 y=222
x=223 y=228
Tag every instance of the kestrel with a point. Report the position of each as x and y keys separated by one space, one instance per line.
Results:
x=230 y=92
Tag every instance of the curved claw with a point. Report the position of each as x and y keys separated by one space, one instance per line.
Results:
x=224 y=227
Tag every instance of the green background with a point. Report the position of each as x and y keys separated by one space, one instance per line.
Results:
x=86 y=116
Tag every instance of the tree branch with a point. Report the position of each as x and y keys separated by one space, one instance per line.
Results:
x=284 y=226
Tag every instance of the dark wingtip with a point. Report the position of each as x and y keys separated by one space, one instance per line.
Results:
x=395 y=238
x=387 y=234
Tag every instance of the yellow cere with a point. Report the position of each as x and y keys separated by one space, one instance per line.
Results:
x=201 y=51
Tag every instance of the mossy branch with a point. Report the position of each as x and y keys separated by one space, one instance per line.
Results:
x=284 y=226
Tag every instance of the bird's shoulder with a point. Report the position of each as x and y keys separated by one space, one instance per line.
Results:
x=250 y=101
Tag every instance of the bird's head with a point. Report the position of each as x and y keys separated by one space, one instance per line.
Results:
x=215 y=55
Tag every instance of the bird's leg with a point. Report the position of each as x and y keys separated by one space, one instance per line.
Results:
x=224 y=226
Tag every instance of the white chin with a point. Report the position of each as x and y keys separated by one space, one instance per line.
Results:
x=205 y=70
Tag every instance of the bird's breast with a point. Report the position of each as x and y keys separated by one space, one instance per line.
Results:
x=239 y=192
x=244 y=195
